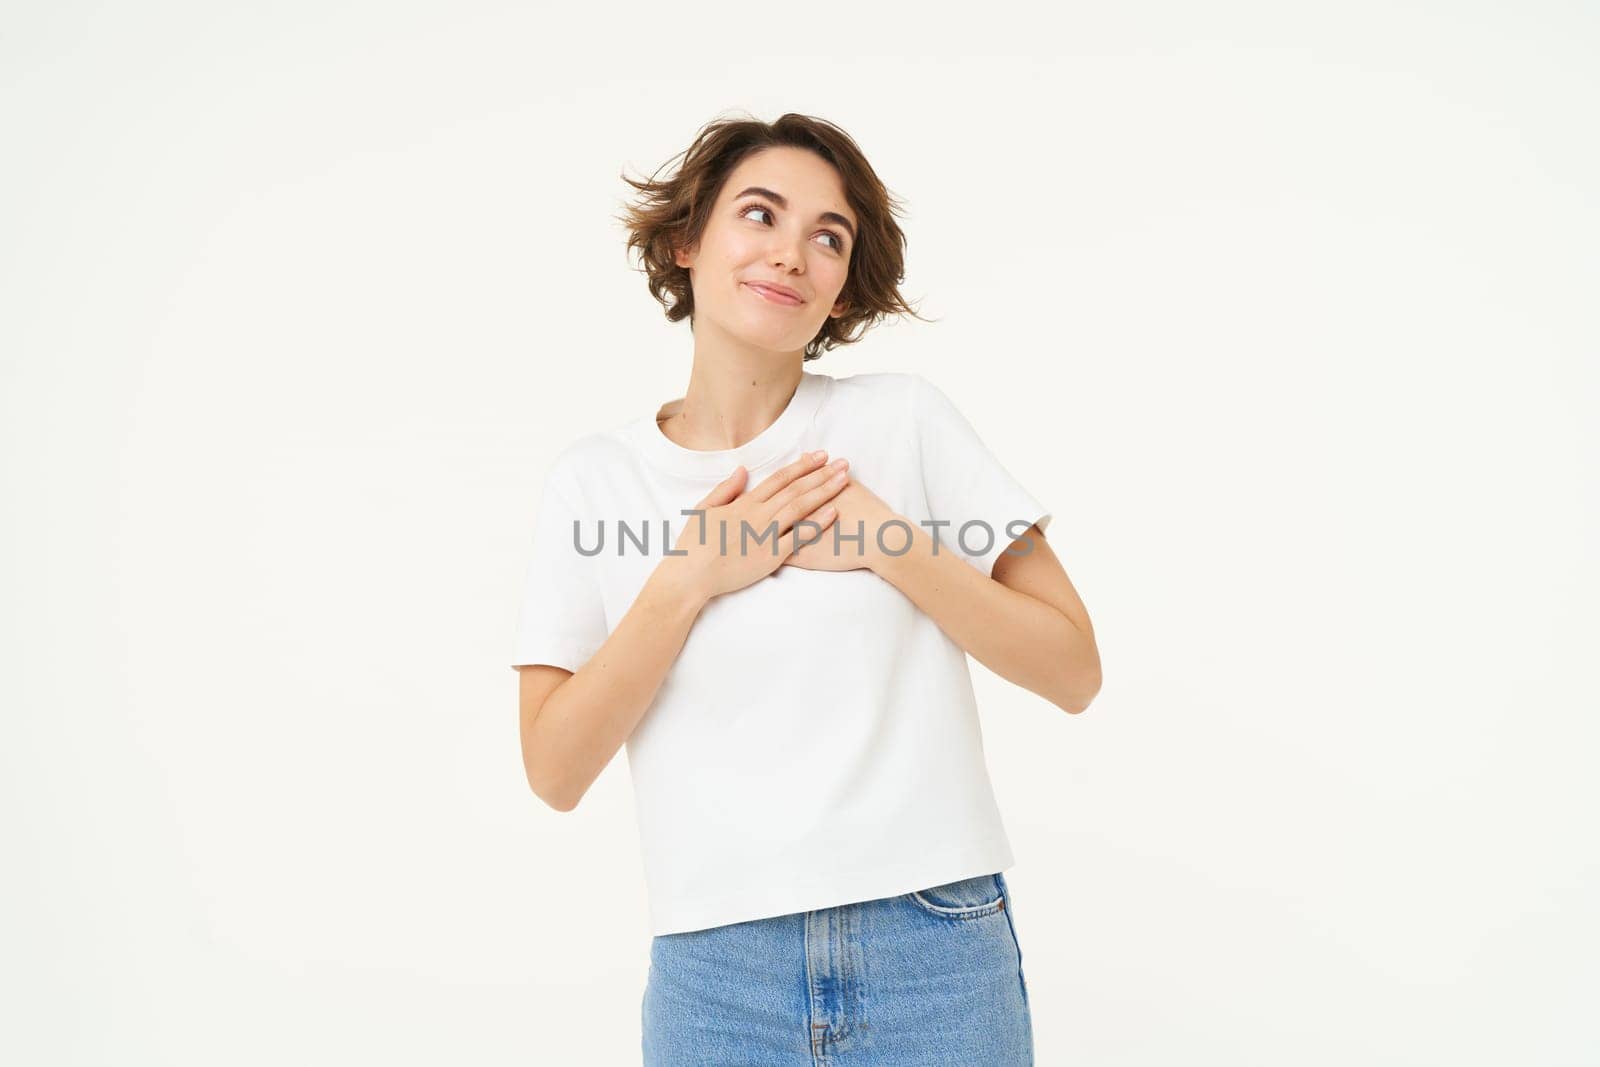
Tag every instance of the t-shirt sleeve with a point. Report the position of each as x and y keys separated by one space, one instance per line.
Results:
x=562 y=620
x=966 y=483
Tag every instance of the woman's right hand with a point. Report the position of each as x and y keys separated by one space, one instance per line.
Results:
x=798 y=491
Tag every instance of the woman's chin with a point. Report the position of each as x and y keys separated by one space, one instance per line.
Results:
x=769 y=336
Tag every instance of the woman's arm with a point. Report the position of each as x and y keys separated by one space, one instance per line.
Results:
x=1026 y=623
x=574 y=723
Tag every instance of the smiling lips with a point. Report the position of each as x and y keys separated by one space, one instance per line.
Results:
x=777 y=294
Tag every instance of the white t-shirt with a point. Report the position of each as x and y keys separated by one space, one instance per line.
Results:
x=816 y=742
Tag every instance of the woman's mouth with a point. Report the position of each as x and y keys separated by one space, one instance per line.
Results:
x=774 y=296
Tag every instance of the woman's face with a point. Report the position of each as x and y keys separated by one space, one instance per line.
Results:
x=797 y=232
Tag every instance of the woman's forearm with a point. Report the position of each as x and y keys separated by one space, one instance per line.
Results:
x=1019 y=637
x=588 y=717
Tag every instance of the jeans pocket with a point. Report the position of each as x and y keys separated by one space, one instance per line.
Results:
x=965 y=898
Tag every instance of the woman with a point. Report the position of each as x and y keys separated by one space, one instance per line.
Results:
x=821 y=843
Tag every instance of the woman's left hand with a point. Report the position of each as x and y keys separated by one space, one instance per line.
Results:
x=861 y=512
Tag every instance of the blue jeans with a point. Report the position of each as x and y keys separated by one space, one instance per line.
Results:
x=925 y=978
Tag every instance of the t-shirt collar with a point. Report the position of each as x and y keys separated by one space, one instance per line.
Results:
x=778 y=438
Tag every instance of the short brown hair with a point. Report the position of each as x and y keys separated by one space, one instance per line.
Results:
x=672 y=214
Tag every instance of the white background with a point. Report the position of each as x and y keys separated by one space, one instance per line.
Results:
x=1286 y=311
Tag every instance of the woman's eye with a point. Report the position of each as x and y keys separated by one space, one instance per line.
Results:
x=744 y=213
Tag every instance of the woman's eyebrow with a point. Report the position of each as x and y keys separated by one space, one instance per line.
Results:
x=826 y=216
